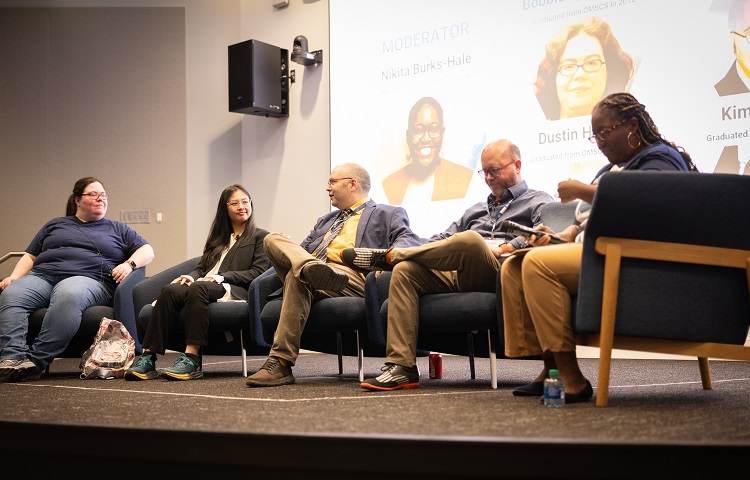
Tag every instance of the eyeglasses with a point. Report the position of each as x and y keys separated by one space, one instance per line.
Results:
x=589 y=66
x=604 y=133
x=746 y=37
x=494 y=171
x=434 y=130
x=235 y=204
x=95 y=195
x=332 y=181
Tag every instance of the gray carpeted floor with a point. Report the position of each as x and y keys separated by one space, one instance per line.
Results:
x=651 y=402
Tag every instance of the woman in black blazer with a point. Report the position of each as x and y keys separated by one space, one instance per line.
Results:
x=232 y=258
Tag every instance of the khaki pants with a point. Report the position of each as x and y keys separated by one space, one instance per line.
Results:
x=460 y=263
x=536 y=289
x=288 y=258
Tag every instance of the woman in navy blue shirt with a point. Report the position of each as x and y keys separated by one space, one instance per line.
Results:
x=73 y=262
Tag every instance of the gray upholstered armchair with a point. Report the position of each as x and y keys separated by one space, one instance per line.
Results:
x=665 y=268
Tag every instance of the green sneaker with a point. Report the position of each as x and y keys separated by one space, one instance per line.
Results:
x=143 y=369
x=184 y=368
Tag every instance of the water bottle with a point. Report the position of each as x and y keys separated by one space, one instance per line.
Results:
x=554 y=390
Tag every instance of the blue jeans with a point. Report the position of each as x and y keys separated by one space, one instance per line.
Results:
x=65 y=298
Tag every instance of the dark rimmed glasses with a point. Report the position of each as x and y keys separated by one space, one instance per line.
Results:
x=433 y=130
x=494 y=171
x=589 y=66
x=604 y=133
x=746 y=37
x=332 y=181
x=96 y=195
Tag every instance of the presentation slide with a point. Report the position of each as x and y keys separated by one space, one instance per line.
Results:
x=488 y=69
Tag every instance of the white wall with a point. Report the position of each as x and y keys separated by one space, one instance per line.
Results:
x=214 y=142
x=214 y=136
x=286 y=162
x=94 y=91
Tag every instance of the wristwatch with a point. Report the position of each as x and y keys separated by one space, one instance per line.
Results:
x=132 y=265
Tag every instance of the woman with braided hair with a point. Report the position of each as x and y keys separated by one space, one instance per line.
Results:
x=536 y=314
x=642 y=141
x=627 y=135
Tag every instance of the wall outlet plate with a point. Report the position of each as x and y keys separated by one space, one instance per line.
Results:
x=135 y=216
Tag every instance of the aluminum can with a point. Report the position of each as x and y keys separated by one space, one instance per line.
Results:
x=436 y=365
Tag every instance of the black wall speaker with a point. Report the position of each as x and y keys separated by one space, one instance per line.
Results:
x=258 y=79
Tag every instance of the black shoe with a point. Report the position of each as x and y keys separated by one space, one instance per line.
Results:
x=533 y=389
x=394 y=377
x=271 y=374
x=366 y=259
x=323 y=277
x=582 y=396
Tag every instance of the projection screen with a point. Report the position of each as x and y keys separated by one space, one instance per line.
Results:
x=490 y=65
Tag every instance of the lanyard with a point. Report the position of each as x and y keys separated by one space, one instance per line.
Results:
x=346 y=215
x=497 y=217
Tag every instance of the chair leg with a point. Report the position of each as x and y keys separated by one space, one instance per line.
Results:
x=607 y=329
x=470 y=345
x=493 y=361
x=244 y=354
x=360 y=358
x=340 y=351
x=705 y=373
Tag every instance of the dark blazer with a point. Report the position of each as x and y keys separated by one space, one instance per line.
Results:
x=245 y=260
x=451 y=181
x=731 y=84
x=381 y=226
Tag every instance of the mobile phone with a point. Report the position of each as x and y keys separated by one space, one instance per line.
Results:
x=514 y=228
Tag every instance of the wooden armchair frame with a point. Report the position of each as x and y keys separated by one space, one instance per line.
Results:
x=614 y=249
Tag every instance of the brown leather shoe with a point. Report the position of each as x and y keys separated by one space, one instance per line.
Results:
x=271 y=374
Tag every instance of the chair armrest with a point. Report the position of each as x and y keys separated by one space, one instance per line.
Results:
x=500 y=319
x=124 y=310
x=263 y=285
x=148 y=290
x=376 y=292
x=559 y=215
x=382 y=285
x=266 y=284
